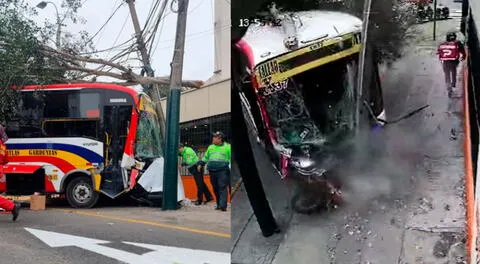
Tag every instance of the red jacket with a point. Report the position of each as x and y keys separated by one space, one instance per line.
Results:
x=451 y=50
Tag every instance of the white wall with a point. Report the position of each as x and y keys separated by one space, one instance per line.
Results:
x=204 y=102
x=214 y=97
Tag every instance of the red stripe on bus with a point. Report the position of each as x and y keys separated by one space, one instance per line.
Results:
x=61 y=164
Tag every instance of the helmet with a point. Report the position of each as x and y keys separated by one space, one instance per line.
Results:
x=451 y=36
x=219 y=134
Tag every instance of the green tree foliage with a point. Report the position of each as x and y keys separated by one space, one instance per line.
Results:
x=22 y=61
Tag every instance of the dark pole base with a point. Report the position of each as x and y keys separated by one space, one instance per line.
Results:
x=170 y=173
x=243 y=155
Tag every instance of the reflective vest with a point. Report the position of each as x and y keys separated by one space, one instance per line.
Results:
x=189 y=156
x=449 y=51
x=218 y=157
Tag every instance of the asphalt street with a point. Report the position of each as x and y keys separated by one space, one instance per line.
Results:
x=64 y=235
x=406 y=207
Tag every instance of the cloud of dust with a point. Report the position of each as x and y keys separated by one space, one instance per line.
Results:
x=382 y=164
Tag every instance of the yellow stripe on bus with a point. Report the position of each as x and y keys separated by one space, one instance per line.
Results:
x=74 y=160
x=308 y=49
x=314 y=64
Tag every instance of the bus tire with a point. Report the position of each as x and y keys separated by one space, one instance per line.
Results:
x=81 y=194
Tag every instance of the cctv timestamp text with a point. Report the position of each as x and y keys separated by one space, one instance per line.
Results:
x=271 y=22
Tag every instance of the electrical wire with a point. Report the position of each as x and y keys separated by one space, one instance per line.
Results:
x=158 y=41
x=106 y=22
x=153 y=10
x=108 y=49
x=120 y=33
x=103 y=30
x=197 y=6
x=202 y=33
x=151 y=39
x=188 y=40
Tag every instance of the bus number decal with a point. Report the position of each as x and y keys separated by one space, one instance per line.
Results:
x=316 y=46
x=53 y=177
x=275 y=87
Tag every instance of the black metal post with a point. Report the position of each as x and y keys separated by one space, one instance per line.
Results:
x=243 y=154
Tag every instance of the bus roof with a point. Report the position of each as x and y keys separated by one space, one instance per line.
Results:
x=133 y=92
x=265 y=42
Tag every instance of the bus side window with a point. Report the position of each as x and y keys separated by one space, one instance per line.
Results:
x=71 y=128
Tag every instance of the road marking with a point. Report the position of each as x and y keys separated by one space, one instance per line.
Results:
x=136 y=221
x=159 y=255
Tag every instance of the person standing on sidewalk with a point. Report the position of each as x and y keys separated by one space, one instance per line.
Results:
x=218 y=158
x=190 y=159
x=450 y=53
x=6 y=204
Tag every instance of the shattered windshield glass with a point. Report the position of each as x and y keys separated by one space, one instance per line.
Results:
x=314 y=107
x=148 y=142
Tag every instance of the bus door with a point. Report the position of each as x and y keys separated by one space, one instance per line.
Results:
x=114 y=178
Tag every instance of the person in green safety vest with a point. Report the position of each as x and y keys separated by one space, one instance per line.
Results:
x=190 y=159
x=217 y=159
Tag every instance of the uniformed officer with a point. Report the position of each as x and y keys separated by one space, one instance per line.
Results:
x=190 y=159
x=218 y=158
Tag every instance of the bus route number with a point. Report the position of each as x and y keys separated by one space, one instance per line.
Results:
x=275 y=87
x=316 y=46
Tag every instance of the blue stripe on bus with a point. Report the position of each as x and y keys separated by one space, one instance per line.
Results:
x=80 y=151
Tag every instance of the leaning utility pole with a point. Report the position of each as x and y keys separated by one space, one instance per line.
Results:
x=367 y=8
x=152 y=90
x=170 y=177
x=434 y=19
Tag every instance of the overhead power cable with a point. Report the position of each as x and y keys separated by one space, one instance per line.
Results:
x=106 y=22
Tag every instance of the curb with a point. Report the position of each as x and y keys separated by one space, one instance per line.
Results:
x=471 y=231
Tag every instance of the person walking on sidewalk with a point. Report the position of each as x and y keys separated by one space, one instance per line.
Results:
x=218 y=158
x=190 y=159
x=450 y=53
x=6 y=204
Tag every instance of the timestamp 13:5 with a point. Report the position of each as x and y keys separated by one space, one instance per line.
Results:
x=272 y=22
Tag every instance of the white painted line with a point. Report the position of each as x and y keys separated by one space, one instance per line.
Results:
x=182 y=255
x=159 y=255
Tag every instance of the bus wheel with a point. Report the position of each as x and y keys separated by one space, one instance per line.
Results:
x=80 y=193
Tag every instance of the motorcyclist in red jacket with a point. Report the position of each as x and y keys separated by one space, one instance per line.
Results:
x=450 y=53
x=6 y=204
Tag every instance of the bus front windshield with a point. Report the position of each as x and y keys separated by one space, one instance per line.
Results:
x=148 y=141
x=314 y=107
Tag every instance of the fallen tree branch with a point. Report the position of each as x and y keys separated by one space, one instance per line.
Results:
x=68 y=61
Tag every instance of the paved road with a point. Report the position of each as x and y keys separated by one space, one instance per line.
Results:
x=25 y=241
x=408 y=204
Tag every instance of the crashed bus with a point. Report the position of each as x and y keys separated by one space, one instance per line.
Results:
x=299 y=95
x=83 y=140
